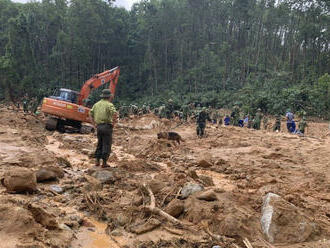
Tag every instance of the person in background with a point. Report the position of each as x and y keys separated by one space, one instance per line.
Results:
x=201 y=122
x=303 y=125
x=277 y=125
x=227 y=120
x=246 y=120
x=290 y=121
x=257 y=120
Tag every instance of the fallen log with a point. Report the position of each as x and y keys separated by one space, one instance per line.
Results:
x=153 y=209
x=247 y=243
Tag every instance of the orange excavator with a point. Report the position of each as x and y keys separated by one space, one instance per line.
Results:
x=70 y=108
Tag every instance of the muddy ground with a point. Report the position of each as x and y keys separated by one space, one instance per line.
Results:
x=235 y=168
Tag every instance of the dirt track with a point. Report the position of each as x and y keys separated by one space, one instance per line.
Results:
x=242 y=166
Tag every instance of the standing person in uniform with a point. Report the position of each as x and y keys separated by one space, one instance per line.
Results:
x=25 y=103
x=235 y=115
x=220 y=118
x=277 y=126
x=265 y=122
x=185 y=112
x=169 y=109
x=201 y=122
x=302 y=125
x=104 y=115
x=257 y=120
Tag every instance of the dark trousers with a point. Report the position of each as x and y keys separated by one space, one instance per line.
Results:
x=104 y=141
x=200 y=128
x=291 y=127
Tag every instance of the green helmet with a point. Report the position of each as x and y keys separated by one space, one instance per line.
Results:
x=106 y=93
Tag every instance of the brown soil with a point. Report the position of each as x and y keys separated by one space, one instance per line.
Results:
x=236 y=166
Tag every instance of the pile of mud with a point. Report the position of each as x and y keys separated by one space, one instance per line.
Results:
x=26 y=224
x=157 y=193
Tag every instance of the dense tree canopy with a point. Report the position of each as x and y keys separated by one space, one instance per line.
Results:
x=258 y=53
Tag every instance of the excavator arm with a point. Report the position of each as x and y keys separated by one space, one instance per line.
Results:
x=98 y=80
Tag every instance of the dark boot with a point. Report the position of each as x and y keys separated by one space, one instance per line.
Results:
x=97 y=163
x=104 y=164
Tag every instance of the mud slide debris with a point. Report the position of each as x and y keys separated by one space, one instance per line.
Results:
x=234 y=188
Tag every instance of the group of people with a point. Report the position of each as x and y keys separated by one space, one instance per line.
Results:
x=291 y=124
x=104 y=116
x=254 y=121
x=202 y=115
x=30 y=105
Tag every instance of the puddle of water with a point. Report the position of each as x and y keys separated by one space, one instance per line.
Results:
x=94 y=239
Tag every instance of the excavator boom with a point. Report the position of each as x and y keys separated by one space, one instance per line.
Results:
x=98 y=80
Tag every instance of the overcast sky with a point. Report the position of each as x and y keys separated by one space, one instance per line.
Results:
x=122 y=3
x=125 y=3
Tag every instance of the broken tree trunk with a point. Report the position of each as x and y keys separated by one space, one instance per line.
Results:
x=153 y=209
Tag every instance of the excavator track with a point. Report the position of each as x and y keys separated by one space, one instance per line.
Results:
x=51 y=124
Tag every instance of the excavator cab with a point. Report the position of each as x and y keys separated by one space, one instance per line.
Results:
x=66 y=95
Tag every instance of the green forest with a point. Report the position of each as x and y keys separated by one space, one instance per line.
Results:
x=263 y=54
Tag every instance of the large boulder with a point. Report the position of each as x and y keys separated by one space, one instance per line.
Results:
x=20 y=180
x=49 y=173
x=282 y=222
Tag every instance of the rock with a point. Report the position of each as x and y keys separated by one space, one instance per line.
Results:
x=104 y=176
x=72 y=224
x=208 y=195
x=122 y=219
x=216 y=246
x=189 y=189
x=204 y=164
x=20 y=180
x=64 y=227
x=175 y=208
x=116 y=233
x=63 y=162
x=146 y=227
x=192 y=173
x=87 y=223
x=207 y=181
x=282 y=222
x=49 y=173
x=56 y=188
x=92 y=184
x=42 y=216
x=221 y=162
